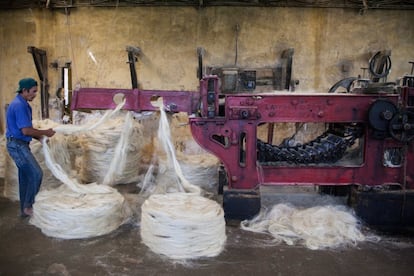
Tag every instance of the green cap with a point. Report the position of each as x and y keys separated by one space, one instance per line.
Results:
x=26 y=83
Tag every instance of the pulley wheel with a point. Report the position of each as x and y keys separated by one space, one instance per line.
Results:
x=380 y=114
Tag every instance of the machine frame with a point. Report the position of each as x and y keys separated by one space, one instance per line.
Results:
x=226 y=126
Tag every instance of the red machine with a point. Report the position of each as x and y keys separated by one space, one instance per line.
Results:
x=367 y=146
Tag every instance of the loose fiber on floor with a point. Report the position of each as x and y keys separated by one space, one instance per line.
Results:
x=318 y=227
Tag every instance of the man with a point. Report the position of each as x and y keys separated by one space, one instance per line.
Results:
x=19 y=133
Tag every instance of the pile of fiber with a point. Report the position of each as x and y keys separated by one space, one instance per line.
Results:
x=197 y=166
x=317 y=227
x=76 y=210
x=8 y=170
x=67 y=214
x=183 y=226
x=200 y=170
x=11 y=180
x=180 y=224
x=3 y=153
x=113 y=151
x=65 y=150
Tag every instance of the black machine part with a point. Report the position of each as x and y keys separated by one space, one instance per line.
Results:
x=380 y=65
x=401 y=126
x=387 y=120
x=380 y=114
x=345 y=83
x=327 y=148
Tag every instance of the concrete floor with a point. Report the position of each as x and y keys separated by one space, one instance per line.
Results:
x=24 y=250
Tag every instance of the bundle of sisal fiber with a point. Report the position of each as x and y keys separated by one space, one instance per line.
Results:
x=182 y=224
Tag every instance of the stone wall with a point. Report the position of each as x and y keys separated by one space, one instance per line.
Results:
x=330 y=44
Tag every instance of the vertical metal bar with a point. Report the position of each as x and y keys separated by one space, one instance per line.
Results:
x=288 y=55
x=200 y=52
x=270 y=132
x=40 y=60
x=133 y=52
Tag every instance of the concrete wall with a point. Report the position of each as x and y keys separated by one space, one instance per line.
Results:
x=330 y=44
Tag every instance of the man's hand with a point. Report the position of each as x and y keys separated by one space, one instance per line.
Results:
x=38 y=133
x=49 y=132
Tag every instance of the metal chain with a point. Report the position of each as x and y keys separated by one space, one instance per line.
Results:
x=327 y=148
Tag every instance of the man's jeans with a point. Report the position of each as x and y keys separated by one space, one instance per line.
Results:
x=30 y=173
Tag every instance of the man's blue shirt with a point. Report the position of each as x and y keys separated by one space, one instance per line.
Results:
x=18 y=116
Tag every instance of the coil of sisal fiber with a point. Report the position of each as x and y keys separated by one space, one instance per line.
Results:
x=66 y=214
x=74 y=210
x=181 y=225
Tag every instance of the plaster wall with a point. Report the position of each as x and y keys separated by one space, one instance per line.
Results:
x=329 y=44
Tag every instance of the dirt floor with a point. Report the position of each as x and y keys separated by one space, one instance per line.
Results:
x=25 y=250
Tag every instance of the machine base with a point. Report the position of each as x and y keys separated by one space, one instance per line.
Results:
x=385 y=210
x=241 y=204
